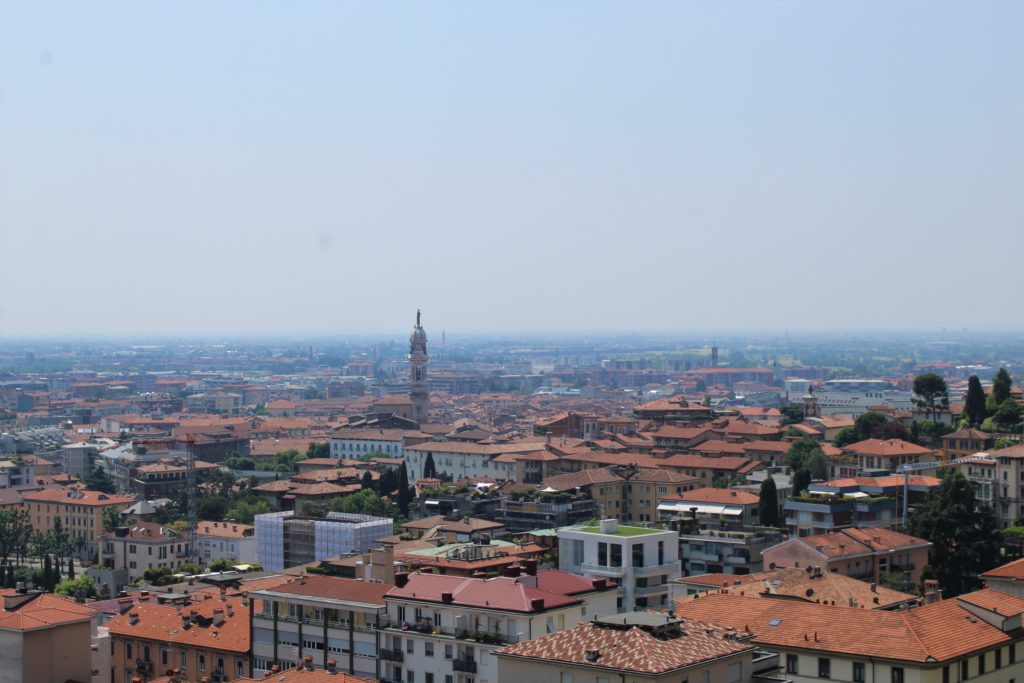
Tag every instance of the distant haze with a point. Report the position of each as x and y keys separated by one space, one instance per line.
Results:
x=306 y=167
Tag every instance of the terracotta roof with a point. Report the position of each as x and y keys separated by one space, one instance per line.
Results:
x=848 y=542
x=933 y=633
x=335 y=588
x=148 y=531
x=887 y=447
x=75 y=497
x=300 y=675
x=1010 y=570
x=224 y=529
x=633 y=649
x=588 y=477
x=163 y=623
x=719 y=496
x=43 y=611
x=501 y=593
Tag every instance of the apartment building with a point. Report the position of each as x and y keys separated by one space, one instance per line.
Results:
x=462 y=460
x=17 y=472
x=350 y=444
x=209 y=639
x=229 y=541
x=80 y=512
x=322 y=617
x=630 y=494
x=735 y=505
x=45 y=638
x=445 y=629
x=1007 y=578
x=860 y=553
x=887 y=454
x=639 y=647
x=142 y=546
x=725 y=549
x=640 y=560
x=971 y=637
x=820 y=513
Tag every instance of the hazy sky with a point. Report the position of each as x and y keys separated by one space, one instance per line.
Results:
x=330 y=167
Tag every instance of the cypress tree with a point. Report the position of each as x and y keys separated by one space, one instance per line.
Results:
x=1001 y=385
x=801 y=480
x=404 y=493
x=48 y=582
x=974 y=403
x=768 y=507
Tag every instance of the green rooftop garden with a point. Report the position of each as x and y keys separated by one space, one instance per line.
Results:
x=622 y=530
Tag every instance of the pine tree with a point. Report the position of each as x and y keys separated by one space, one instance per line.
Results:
x=974 y=403
x=965 y=536
x=1001 y=385
x=768 y=506
x=404 y=492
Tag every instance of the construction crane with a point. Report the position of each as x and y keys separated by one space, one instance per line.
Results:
x=190 y=483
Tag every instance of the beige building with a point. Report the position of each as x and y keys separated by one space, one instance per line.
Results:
x=44 y=639
x=142 y=546
x=79 y=510
x=638 y=647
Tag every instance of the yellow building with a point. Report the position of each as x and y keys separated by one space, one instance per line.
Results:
x=80 y=511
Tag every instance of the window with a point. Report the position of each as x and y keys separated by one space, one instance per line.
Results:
x=163 y=657
x=202 y=662
x=897 y=674
x=735 y=672
x=616 y=560
x=792 y=664
x=448 y=678
x=945 y=674
x=428 y=649
x=981 y=663
x=428 y=677
x=963 y=670
x=565 y=677
x=1012 y=650
x=239 y=668
x=447 y=653
x=824 y=667
x=638 y=555
x=602 y=554
x=184 y=660
x=127 y=650
x=410 y=646
x=410 y=677
x=858 y=672
x=999 y=658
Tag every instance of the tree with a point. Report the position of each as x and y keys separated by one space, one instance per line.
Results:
x=244 y=511
x=318 y=450
x=868 y=424
x=801 y=480
x=111 y=519
x=212 y=508
x=768 y=506
x=974 y=402
x=429 y=469
x=83 y=588
x=404 y=492
x=15 y=530
x=1007 y=415
x=99 y=480
x=846 y=436
x=931 y=390
x=48 y=579
x=965 y=535
x=806 y=454
x=792 y=414
x=1001 y=385
x=367 y=480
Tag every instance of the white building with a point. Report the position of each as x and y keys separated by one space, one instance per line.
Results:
x=355 y=443
x=445 y=629
x=460 y=459
x=322 y=617
x=284 y=539
x=16 y=472
x=642 y=561
x=229 y=541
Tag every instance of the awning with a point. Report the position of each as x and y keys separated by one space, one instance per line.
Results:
x=702 y=508
x=432 y=502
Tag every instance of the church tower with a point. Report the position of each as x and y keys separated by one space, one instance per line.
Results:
x=419 y=393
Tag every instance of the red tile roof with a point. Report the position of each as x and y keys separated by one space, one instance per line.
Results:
x=501 y=593
x=43 y=611
x=718 y=496
x=633 y=649
x=163 y=623
x=1010 y=570
x=75 y=497
x=335 y=588
x=889 y=447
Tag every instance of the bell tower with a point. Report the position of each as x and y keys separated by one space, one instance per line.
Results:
x=419 y=392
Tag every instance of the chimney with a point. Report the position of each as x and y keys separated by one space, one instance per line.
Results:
x=547 y=438
x=308 y=662
x=874 y=587
x=332 y=667
x=931 y=591
x=229 y=610
x=537 y=605
x=401 y=579
x=133 y=618
x=185 y=621
x=530 y=566
x=223 y=594
x=218 y=617
x=511 y=571
x=447 y=597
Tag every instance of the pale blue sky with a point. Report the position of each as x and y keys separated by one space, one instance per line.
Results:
x=330 y=167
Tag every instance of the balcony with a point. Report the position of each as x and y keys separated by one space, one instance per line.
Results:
x=464 y=665
x=640 y=591
x=392 y=655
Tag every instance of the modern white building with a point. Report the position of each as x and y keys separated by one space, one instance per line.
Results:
x=355 y=443
x=229 y=541
x=322 y=617
x=284 y=539
x=445 y=629
x=640 y=560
